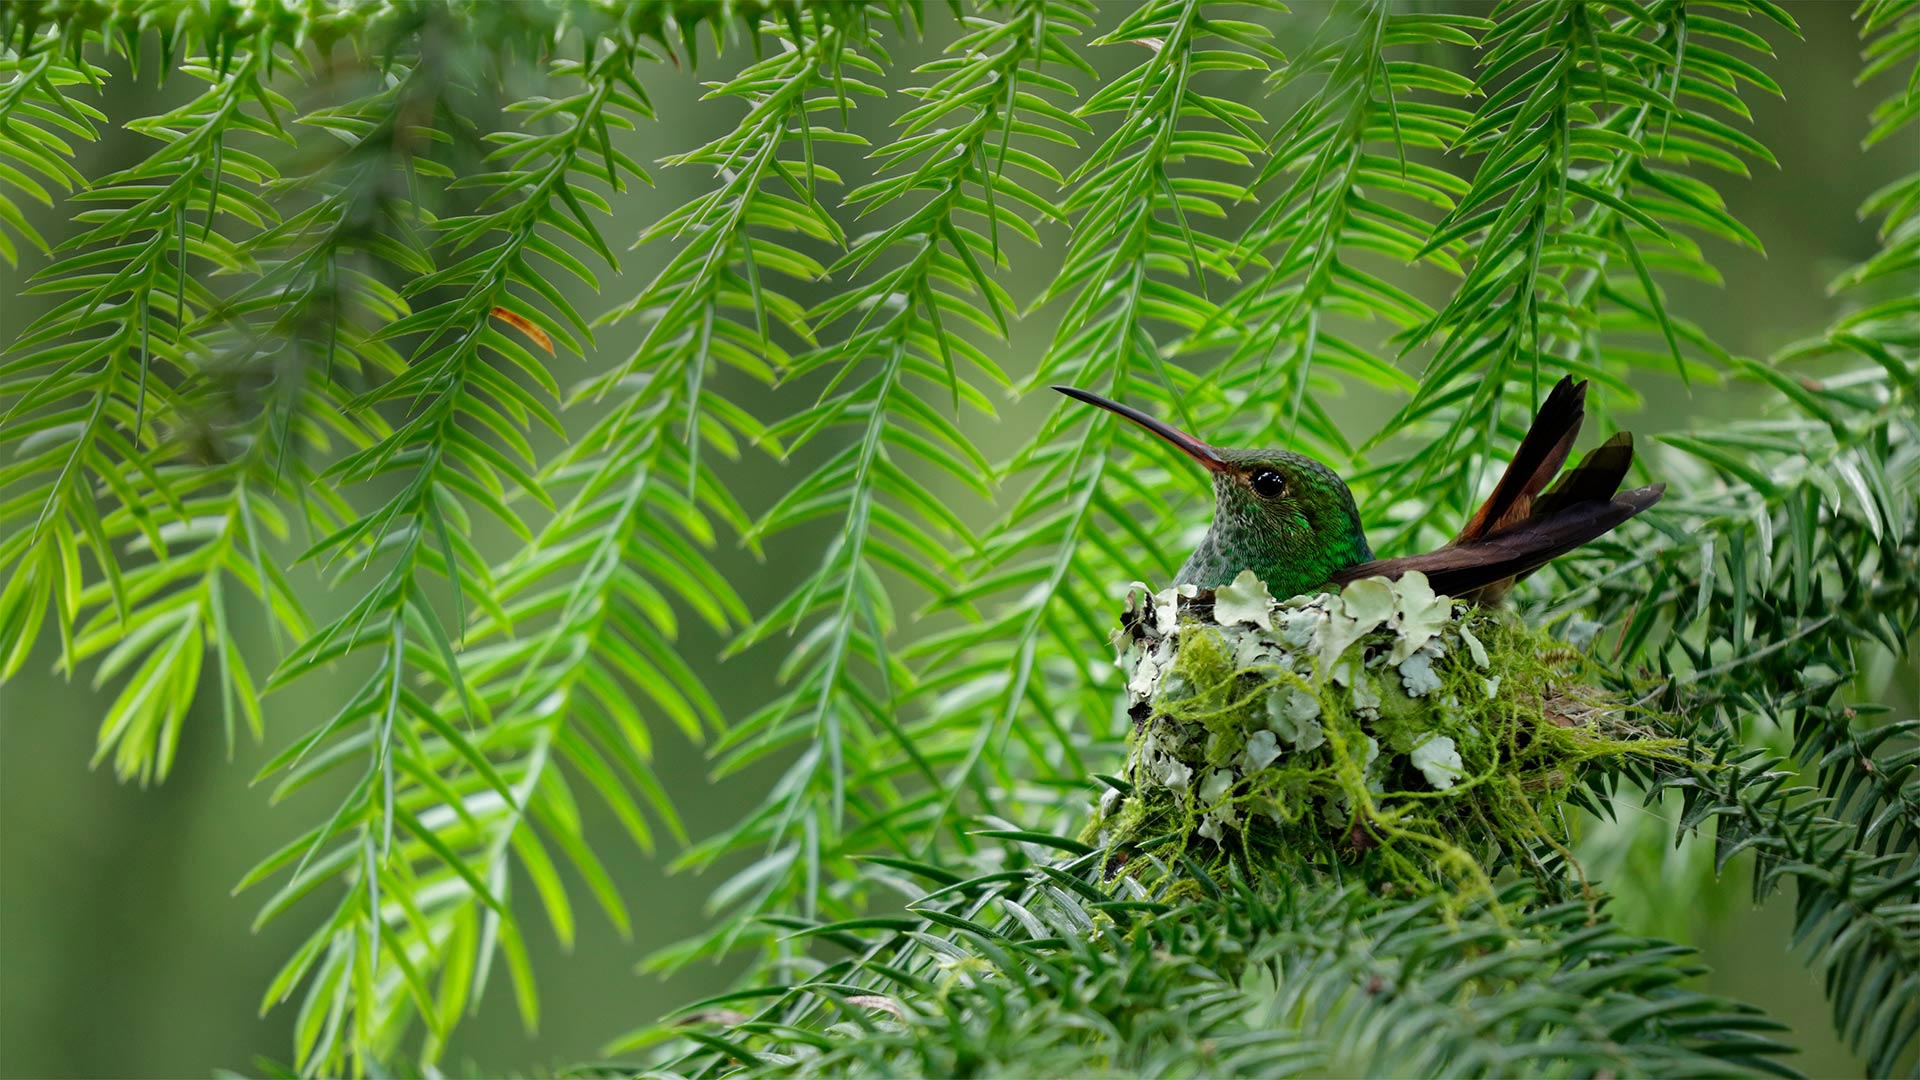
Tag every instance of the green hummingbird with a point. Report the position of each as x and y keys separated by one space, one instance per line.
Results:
x=1292 y=521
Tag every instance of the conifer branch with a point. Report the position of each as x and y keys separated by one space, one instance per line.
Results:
x=1593 y=113
x=421 y=843
x=360 y=291
x=1793 y=563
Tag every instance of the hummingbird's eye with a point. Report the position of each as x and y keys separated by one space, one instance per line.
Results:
x=1268 y=484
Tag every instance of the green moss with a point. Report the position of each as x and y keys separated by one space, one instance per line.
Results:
x=1383 y=732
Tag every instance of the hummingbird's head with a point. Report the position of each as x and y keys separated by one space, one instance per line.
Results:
x=1285 y=495
x=1285 y=516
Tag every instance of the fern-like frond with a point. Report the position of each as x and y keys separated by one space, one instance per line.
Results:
x=1596 y=119
x=38 y=118
x=1339 y=189
x=111 y=455
x=453 y=755
x=896 y=356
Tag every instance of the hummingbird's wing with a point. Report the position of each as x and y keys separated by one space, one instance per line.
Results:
x=1538 y=458
x=1463 y=569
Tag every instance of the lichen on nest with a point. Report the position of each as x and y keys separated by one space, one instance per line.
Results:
x=1381 y=730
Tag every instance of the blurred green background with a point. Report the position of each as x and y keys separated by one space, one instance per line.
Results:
x=122 y=952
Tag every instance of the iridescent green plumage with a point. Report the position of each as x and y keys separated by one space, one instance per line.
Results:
x=1293 y=542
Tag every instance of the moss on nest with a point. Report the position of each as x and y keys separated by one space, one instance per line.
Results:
x=1382 y=730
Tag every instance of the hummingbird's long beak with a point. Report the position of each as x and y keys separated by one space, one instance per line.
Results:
x=1199 y=451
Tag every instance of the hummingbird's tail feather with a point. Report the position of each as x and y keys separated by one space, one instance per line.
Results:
x=1598 y=476
x=1595 y=479
x=1483 y=569
x=1540 y=454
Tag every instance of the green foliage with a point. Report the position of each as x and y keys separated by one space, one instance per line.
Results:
x=1039 y=969
x=1596 y=123
x=323 y=329
x=1790 y=568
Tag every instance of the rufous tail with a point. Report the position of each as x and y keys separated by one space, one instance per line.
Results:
x=1526 y=524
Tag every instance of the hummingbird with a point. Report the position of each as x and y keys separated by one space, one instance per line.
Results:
x=1292 y=521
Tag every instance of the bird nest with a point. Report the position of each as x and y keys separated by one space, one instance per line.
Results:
x=1382 y=731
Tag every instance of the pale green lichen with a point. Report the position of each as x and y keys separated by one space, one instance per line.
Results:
x=1381 y=730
